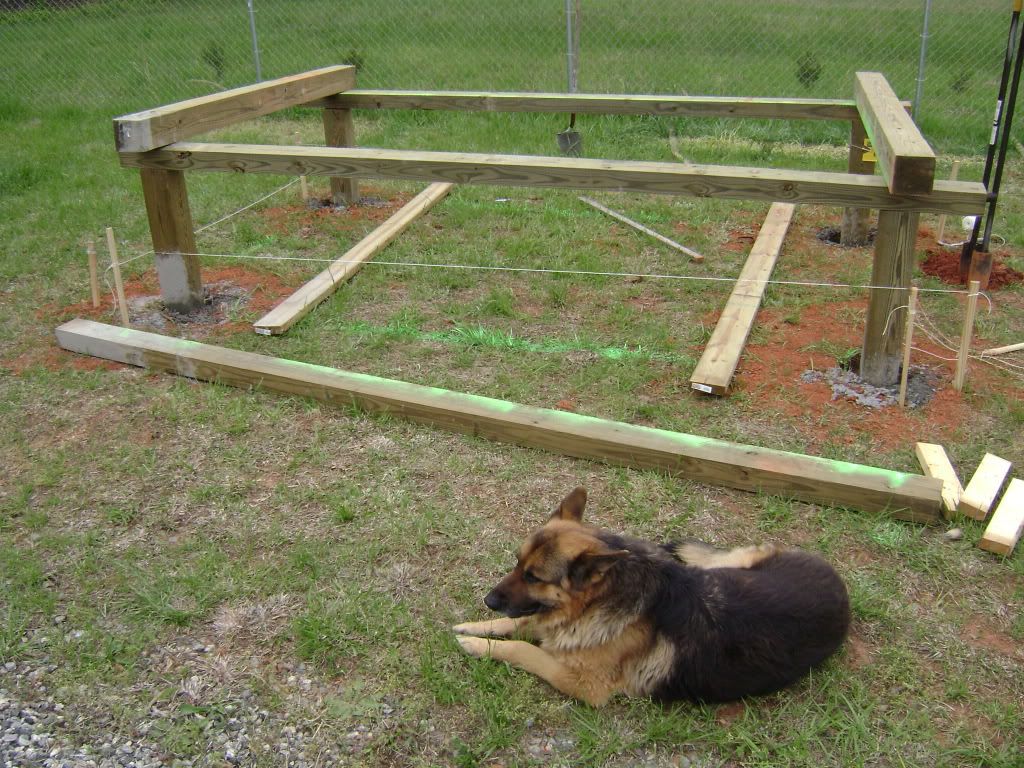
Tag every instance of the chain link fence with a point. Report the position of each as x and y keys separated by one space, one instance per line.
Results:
x=124 y=55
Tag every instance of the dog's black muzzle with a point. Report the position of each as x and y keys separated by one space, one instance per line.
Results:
x=498 y=601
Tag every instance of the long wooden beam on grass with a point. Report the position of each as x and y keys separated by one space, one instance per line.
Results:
x=153 y=128
x=905 y=159
x=819 y=480
x=706 y=181
x=305 y=299
x=595 y=104
x=716 y=366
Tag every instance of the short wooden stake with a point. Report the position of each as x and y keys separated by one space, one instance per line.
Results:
x=942 y=219
x=1003 y=350
x=305 y=189
x=965 y=336
x=908 y=337
x=94 y=279
x=122 y=304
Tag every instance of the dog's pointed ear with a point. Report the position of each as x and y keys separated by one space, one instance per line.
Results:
x=591 y=567
x=571 y=507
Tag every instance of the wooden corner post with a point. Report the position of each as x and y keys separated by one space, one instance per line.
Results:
x=854 y=229
x=340 y=131
x=170 y=222
x=907 y=165
x=881 y=356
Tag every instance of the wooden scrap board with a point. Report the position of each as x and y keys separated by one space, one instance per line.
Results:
x=717 y=365
x=1007 y=523
x=935 y=463
x=981 y=491
x=305 y=299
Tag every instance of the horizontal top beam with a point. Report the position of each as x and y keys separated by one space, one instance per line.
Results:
x=906 y=161
x=713 y=181
x=595 y=104
x=153 y=128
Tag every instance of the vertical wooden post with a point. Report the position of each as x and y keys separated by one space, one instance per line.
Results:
x=94 y=280
x=981 y=269
x=340 y=131
x=170 y=224
x=115 y=266
x=953 y=174
x=854 y=229
x=908 y=339
x=893 y=266
x=965 y=336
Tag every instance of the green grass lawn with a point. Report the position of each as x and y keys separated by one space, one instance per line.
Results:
x=174 y=553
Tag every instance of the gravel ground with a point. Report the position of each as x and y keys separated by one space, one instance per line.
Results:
x=921 y=385
x=40 y=731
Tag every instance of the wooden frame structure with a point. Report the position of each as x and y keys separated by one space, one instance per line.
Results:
x=717 y=462
x=152 y=141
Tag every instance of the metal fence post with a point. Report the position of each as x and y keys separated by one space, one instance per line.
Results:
x=572 y=43
x=920 y=62
x=255 y=41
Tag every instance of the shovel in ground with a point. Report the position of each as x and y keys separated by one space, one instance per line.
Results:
x=570 y=143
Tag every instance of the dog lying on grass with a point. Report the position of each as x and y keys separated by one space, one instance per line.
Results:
x=613 y=614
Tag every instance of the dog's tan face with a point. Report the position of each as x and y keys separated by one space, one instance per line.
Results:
x=560 y=566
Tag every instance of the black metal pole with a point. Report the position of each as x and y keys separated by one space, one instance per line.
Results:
x=1004 y=144
x=968 y=248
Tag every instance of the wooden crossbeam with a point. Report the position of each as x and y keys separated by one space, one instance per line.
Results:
x=305 y=299
x=717 y=365
x=1007 y=524
x=153 y=128
x=906 y=496
x=595 y=104
x=905 y=159
x=705 y=181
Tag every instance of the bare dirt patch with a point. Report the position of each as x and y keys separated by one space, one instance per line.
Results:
x=945 y=265
x=979 y=633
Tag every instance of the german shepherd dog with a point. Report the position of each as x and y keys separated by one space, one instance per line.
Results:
x=680 y=621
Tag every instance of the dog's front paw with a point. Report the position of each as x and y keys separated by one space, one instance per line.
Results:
x=478 y=647
x=467 y=628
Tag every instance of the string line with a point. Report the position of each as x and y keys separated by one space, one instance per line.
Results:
x=590 y=273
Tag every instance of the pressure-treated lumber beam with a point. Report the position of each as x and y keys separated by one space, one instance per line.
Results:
x=305 y=299
x=340 y=131
x=153 y=128
x=854 y=228
x=725 y=182
x=1004 y=530
x=906 y=496
x=935 y=463
x=595 y=104
x=904 y=157
x=716 y=366
x=174 y=244
x=984 y=485
x=893 y=265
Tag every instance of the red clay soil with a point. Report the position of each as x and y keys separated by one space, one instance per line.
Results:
x=770 y=374
x=945 y=265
